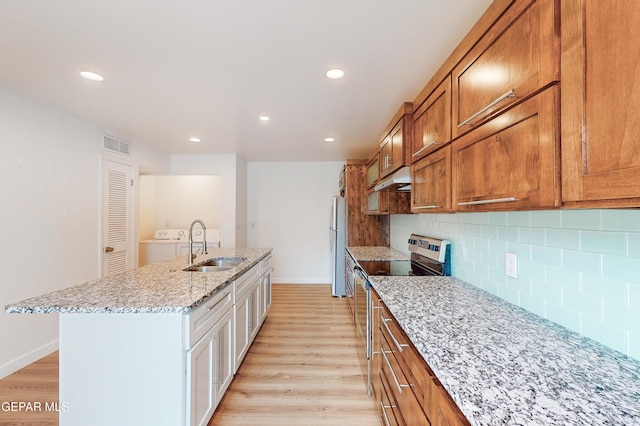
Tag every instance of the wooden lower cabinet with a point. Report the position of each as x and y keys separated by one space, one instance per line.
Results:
x=512 y=161
x=404 y=387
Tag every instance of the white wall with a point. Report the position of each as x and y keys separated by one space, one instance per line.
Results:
x=232 y=220
x=174 y=201
x=49 y=220
x=288 y=209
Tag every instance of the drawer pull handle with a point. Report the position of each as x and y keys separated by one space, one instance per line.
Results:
x=384 y=412
x=495 y=200
x=433 y=206
x=418 y=152
x=510 y=94
x=393 y=373
x=210 y=308
x=395 y=341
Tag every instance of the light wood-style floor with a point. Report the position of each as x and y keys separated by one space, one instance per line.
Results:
x=302 y=369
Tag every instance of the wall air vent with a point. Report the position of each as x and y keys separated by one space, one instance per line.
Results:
x=116 y=145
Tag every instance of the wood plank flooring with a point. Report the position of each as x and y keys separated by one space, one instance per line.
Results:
x=36 y=384
x=303 y=367
x=301 y=370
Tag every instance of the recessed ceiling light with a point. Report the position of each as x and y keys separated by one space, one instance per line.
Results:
x=194 y=139
x=335 y=73
x=91 y=76
x=264 y=118
x=329 y=139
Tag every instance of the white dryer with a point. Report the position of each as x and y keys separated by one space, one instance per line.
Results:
x=163 y=246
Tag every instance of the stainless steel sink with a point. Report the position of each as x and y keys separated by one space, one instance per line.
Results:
x=216 y=264
x=206 y=268
x=223 y=261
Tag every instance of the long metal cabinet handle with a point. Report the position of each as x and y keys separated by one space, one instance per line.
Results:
x=395 y=341
x=384 y=412
x=495 y=200
x=210 y=308
x=393 y=373
x=418 y=152
x=373 y=341
x=510 y=94
x=433 y=206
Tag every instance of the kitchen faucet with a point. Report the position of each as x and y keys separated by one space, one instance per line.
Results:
x=204 y=240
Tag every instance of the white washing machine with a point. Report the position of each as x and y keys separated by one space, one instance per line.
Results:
x=213 y=241
x=163 y=246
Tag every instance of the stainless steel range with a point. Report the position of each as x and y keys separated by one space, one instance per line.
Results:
x=429 y=257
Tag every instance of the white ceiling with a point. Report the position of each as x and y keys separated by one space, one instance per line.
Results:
x=175 y=69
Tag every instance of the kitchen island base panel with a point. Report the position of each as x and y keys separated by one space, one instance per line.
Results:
x=124 y=369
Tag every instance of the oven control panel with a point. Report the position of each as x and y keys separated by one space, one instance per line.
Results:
x=430 y=247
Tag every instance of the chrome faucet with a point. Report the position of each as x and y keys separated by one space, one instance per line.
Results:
x=204 y=240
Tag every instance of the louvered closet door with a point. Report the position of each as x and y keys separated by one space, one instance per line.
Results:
x=117 y=214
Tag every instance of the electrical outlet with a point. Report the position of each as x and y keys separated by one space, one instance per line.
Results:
x=511 y=265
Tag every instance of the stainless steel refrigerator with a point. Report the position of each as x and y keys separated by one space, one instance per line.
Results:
x=337 y=236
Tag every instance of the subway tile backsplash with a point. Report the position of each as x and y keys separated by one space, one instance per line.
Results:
x=578 y=268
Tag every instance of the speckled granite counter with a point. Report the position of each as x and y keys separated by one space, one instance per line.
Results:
x=505 y=366
x=161 y=287
x=361 y=253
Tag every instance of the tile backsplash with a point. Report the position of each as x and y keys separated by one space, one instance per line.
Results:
x=578 y=268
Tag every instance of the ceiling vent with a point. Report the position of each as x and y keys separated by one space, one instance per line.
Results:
x=116 y=145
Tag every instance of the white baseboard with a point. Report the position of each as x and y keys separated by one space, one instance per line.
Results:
x=32 y=356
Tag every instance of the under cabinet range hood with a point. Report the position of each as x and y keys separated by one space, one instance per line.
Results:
x=399 y=181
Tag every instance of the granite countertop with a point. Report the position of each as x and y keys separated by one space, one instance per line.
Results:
x=362 y=253
x=505 y=366
x=161 y=287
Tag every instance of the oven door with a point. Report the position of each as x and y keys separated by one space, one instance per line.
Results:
x=362 y=315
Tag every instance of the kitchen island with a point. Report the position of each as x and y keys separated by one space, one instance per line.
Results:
x=130 y=344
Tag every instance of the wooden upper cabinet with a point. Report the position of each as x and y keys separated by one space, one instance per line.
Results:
x=396 y=141
x=431 y=183
x=373 y=170
x=600 y=103
x=511 y=162
x=518 y=56
x=432 y=121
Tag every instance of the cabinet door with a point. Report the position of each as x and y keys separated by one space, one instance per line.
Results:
x=600 y=103
x=200 y=380
x=242 y=323
x=392 y=150
x=386 y=156
x=373 y=170
x=254 y=315
x=431 y=183
x=432 y=122
x=518 y=56
x=510 y=163
x=224 y=354
x=266 y=295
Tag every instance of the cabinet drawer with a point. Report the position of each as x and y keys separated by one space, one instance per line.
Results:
x=395 y=351
x=245 y=282
x=388 y=406
x=265 y=265
x=517 y=57
x=512 y=161
x=202 y=318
